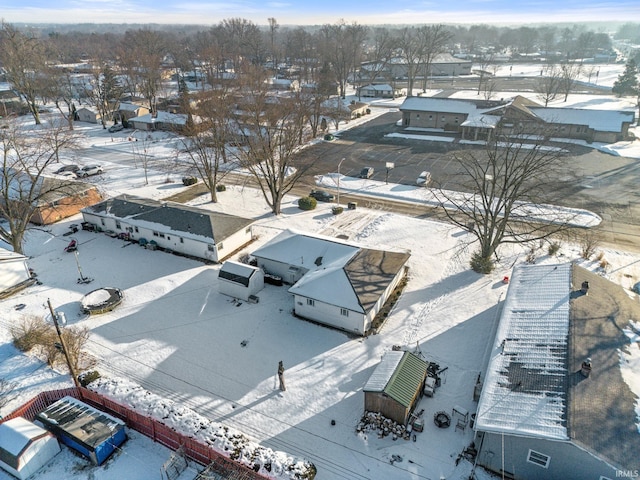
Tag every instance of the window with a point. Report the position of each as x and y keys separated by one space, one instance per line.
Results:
x=344 y=312
x=430 y=117
x=168 y=237
x=211 y=248
x=162 y=235
x=118 y=226
x=155 y=234
x=181 y=240
x=538 y=458
x=311 y=302
x=102 y=221
x=247 y=230
x=220 y=247
x=136 y=229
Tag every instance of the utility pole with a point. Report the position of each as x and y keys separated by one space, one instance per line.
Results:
x=63 y=346
x=338 y=196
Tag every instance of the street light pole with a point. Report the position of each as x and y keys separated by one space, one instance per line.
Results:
x=338 y=196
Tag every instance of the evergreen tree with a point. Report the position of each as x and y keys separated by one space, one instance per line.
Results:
x=627 y=83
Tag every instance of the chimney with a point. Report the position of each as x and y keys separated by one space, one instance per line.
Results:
x=585 y=369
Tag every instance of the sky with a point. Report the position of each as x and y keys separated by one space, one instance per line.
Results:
x=175 y=335
x=305 y=12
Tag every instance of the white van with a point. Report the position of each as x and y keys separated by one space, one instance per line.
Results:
x=423 y=179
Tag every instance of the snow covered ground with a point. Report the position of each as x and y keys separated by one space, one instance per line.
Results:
x=176 y=336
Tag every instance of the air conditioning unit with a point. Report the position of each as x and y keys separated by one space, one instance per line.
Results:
x=254 y=299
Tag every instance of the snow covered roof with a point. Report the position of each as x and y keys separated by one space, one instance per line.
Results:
x=303 y=250
x=525 y=389
x=163 y=117
x=129 y=107
x=379 y=88
x=600 y=120
x=190 y=222
x=431 y=104
x=237 y=272
x=383 y=372
x=16 y=434
x=336 y=272
x=7 y=255
x=480 y=120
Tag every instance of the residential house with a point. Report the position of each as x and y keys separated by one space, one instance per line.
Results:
x=53 y=198
x=170 y=122
x=379 y=90
x=89 y=115
x=554 y=403
x=334 y=282
x=172 y=226
x=127 y=111
x=62 y=199
x=396 y=386
x=87 y=430
x=25 y=447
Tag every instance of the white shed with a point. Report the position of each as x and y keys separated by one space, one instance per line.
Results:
x=13 y=269
x=25 y=447
x=239 y=280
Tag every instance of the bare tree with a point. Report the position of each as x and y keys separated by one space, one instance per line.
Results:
x=434 y=39
x=272 y=129
x=23 y=183
x=7 y=391
x=548 y=85
x=63 y=91
x=206 y=143
x=569 y=73
x=342 y=47
x=496 y=191
x=411 y=50
x=24 y=59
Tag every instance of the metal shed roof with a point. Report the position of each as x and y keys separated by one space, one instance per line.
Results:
x=399 y=375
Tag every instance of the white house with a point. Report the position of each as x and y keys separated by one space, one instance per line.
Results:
x=336 y=283
x=88 y=115
x=25 y=447
x=172 y=226
x=379 y=90
x=13 y=269
x=239 y=280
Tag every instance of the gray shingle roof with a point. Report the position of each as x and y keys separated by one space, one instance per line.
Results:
x=175 y=216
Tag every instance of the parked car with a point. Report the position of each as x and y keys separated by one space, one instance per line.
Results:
x=67 y=175
x=116 y=128
x=89 y=170
x=423 y=179
x=322 y=195
x=67 y=168
x=366 y=172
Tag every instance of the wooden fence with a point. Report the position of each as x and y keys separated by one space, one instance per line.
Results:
x=157 y=431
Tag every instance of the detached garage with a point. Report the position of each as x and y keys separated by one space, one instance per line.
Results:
x=83 y=428
x=395 y=386
x=25 y=447
x=239 y=280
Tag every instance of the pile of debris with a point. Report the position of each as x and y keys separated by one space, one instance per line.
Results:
x=375 y=422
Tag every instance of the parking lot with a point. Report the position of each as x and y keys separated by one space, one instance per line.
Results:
x=589 y=179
